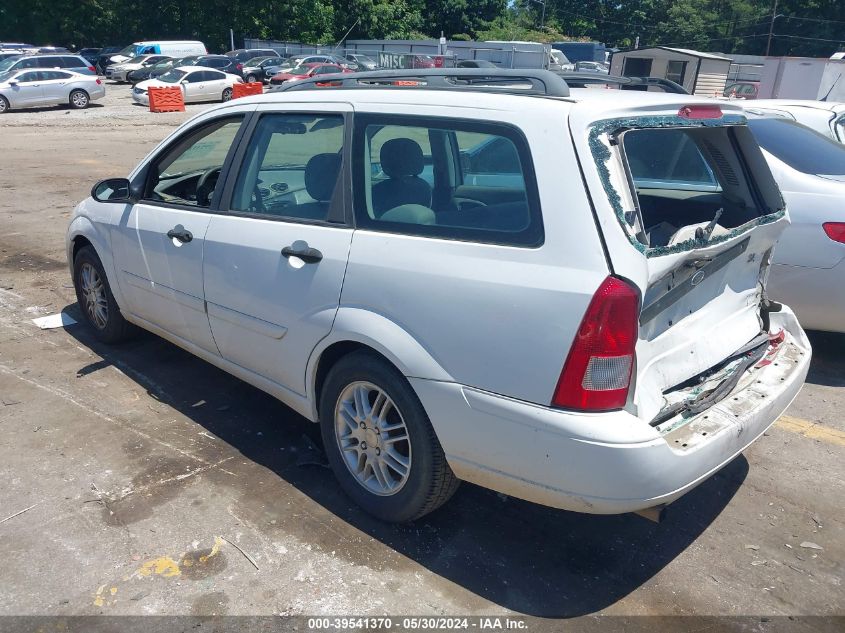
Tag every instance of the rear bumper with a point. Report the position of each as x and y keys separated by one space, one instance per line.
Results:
x=613 y=462
x=812 y=293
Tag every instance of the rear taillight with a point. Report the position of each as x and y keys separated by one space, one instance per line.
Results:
x=92 y=69
x=239 y=66
x=99 y=82
x=835 y=231
x=597 y=372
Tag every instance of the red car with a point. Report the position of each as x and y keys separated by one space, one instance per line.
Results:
x=305 y=71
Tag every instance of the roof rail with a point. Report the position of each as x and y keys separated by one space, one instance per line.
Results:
x=582 y=80
x=501 y=80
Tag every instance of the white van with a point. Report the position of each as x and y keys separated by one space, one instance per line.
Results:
x=171 y=48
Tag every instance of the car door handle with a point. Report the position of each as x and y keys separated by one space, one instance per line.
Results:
x=180 y=233
x=307 y=254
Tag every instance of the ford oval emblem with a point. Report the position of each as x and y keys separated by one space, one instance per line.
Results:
x=697 y=278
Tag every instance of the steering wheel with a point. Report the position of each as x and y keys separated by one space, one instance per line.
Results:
x=206 y=184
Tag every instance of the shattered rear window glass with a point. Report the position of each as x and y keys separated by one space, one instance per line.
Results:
x=689 y=183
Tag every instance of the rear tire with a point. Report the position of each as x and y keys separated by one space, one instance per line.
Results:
x=79 y=99
x=227 y=95
x=250 y=79
x=95 y=299
x=4 y=105
x=365 y=400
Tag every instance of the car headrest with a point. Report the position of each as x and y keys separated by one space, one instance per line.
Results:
x=401 y=157
x=321 y=175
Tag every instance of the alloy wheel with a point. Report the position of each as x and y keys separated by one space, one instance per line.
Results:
x=373 y=438
x=94 y=295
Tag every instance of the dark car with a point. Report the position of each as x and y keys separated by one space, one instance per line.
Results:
x=255 y=68
x=104 y=57
x=157 y=70
x=7 y=55
x=475 y=63
x=245 y=54
x=91 y=54
x=223 y=63
x=364 y=62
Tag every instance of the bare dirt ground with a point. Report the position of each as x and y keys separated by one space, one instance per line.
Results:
x=153 y=483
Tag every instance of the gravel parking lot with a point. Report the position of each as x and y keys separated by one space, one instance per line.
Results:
x=154 y=483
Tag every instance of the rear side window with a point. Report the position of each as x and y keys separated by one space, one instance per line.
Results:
x=72 y=62
x=800 y=147
x=446 y=178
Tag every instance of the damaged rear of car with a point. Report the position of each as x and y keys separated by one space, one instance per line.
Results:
x=689 y=214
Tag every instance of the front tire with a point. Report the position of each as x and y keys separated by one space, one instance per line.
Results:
x=96 y=300
x=4 y=105
x=79 y=99
x=227 y=95
x=250 y=79
x=379 y=441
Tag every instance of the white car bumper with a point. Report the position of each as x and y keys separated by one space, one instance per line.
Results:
x=97 y=91
x=142 y=98
x=555 y=458
x=814 y=293
x=116 y=75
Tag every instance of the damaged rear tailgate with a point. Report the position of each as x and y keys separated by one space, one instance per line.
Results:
x=689 y=213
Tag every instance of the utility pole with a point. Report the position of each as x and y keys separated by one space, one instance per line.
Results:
x=771 y=28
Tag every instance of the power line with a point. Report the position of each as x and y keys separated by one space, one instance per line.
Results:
x=814 y=39
x=759 y=19
x=795 y=17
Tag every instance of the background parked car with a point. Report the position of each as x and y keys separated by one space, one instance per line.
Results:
x=809 y=260
x=254 y=69
x=307 y=70
x=223 y=63
x=475 y=63
x=90 y=54
x=104 y=57
x=119 y=72
x=243 y=55
x=824 y=117
x=27 y=88
x=197 y=83
x=742 y=89
x=68 y=61
x=591 y=67
x=324 y=58
x=7 y=54
x=157 y=70
x=364 y=62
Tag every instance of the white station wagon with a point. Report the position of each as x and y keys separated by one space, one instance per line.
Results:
x=466 y=274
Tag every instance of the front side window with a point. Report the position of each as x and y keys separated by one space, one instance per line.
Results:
x=460 y=180
x=188 y=171
x=291 y=166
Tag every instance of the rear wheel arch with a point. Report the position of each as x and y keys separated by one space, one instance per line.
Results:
x=330 y=356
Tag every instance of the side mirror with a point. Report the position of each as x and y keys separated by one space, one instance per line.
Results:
x=113 y=190
x=13 y=82
x=184 y=83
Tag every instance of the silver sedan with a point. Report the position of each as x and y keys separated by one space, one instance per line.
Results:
x=28 y=88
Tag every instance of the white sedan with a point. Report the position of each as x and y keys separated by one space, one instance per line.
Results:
x=118 y=72
x=824 y=117
x=809 y=260
x=30 y=87
x=197 y=83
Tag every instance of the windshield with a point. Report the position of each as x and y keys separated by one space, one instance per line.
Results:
x=300 y=70
x=6 y=64
x=4 y=77
x=172 y=77
x=800 y=147
x=129 y=51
